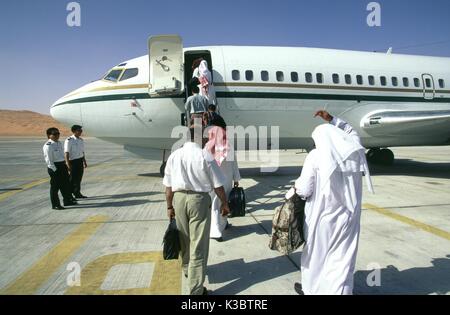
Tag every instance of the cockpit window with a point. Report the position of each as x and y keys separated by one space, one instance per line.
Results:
x=113 y=75
x=129 y=73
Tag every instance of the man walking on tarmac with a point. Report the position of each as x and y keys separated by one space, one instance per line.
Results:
x=190 y=175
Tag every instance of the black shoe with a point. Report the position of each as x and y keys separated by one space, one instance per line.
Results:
x=219 y=239
x=81 y=197
x=298 y=288
x=71 y=203
x=58 y=208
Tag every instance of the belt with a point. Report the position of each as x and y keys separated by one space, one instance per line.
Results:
x=190 y=192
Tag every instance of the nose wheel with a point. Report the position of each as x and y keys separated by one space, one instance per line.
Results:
x=162 y=169
x=380 y=156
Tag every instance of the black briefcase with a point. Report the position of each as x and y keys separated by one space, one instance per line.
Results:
x=236 y=202
x=171 y=242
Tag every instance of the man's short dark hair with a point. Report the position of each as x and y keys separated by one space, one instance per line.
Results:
x=76 y=128
x=212 y=107
x=194 y=82
x=195 y=89
x=51 y=131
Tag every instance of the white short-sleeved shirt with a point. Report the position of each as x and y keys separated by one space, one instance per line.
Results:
x=75 y=147
x=53 y=153
x=194 y=169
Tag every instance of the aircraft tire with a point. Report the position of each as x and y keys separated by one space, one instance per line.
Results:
x=162 y=169
x=386 y=157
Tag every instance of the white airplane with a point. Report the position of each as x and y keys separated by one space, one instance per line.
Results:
x=390 y=99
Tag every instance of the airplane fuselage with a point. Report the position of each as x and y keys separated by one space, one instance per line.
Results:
x=391 y=100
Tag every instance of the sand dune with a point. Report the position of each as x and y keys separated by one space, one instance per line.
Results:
x=27 y=124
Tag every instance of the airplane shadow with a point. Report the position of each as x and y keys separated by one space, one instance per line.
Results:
x=417 y=281
x=408 y=167
x=285 y=176
x=236 y=231
x=11 y=189
x=123 y=196
x=244 y=275
x=414 y=281
x=156 y=174
x=124 y=203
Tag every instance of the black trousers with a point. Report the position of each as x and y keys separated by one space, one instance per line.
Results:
x=59 y=181
x=76 y=176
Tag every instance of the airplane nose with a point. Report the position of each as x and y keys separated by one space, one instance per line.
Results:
x=67 y=113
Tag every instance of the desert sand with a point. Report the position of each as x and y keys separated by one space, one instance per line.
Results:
x=27 y=124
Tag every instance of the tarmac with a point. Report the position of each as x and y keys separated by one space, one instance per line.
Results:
x=111 y=243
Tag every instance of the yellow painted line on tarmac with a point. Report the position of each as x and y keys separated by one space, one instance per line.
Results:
x=11 y=193
x=32 y=279
x=422 y=226
x=166 y=279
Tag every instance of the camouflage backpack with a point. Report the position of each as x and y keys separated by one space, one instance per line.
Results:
x=287 y=226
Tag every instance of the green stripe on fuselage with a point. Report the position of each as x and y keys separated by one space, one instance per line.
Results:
x=264 y=95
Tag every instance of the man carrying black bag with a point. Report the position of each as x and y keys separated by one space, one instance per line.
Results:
x=191 y=173
x=171 y=242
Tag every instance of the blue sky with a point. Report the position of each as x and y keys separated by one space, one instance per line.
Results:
x=42 y=58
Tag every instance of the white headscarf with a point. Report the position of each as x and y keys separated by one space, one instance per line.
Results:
x=204 y=71
x=339 y=150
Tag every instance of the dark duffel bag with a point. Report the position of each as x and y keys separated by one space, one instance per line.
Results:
x=236 y=202
x=171 y=242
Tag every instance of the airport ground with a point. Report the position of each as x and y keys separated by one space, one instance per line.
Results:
x=113 y=239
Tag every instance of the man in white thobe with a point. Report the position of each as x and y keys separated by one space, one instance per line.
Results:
x=331 y=180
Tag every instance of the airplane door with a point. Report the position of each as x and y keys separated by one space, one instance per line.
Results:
x=166 y=60
x=429 y=89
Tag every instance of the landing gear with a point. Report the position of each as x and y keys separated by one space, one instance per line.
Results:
x=163 y=165
x=380 y=156
x=162 y=169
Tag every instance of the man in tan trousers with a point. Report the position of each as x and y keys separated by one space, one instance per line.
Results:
x=191 y=174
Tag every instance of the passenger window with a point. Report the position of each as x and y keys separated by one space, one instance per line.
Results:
x=294 y=76
x=383 y=81
x=319 y=77
x=265 y=75
x=441 y=83
x=308 y=77
x=394 y=81
x=249 y=75
x=113 y=75
x=428 y=83
x=416 y=82
x=371 y=80
x=348 y=79
x=280 y=76
x=405 y=82
x=129 y=73
x=359 y=79
x=236 y=75
x=336 y=78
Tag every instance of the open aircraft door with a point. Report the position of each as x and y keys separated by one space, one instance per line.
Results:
x=166 y=60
